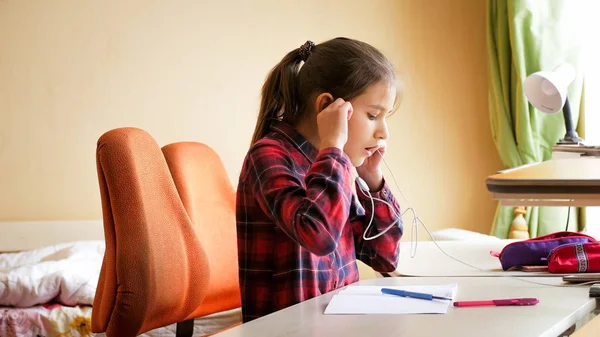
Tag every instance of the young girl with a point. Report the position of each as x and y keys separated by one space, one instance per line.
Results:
x=300 y=224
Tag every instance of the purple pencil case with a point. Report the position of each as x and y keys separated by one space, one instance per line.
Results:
x=535 y=251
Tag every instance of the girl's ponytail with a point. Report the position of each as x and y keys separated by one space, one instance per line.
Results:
x=280 y=92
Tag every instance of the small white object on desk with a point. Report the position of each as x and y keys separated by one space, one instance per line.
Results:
x=369 y=300
x=575 y=151
x=432 y=262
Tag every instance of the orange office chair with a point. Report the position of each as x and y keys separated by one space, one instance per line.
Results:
x=155 y=272
x=209 y=198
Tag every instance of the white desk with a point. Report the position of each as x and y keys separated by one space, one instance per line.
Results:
x=558 y=310
x=430 y=261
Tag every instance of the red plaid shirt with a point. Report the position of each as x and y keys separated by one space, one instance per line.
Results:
x=299 y=226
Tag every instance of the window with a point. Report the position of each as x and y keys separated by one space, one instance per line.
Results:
x=591 y=61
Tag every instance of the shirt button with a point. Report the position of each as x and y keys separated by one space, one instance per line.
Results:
x=384 y=192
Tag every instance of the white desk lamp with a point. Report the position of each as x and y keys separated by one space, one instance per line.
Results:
x=547 y=92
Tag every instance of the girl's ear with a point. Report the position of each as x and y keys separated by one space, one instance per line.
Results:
x=323 y=101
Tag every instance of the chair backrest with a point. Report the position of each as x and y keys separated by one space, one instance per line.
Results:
x=209 y=198
x=155 y=271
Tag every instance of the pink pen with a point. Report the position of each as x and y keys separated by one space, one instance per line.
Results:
x=498 y=303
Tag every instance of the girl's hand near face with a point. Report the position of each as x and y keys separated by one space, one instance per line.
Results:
x=333 y=124
x=370 y=171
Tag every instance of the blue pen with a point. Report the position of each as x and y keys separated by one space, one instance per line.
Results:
x=412 y=294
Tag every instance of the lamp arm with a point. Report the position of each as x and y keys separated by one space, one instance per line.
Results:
x=568 y=117
x=571 y=136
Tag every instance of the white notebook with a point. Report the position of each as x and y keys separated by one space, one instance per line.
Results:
x=369 y=300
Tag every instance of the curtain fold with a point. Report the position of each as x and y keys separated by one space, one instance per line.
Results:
x=523 y=37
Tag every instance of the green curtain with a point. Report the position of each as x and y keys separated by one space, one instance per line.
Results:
x=524 y=37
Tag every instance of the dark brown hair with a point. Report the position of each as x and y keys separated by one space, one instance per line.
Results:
x=343 y=67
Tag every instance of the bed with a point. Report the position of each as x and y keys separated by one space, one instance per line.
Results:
x=48 y=277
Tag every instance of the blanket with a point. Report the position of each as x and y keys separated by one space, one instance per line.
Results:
x=65 y=273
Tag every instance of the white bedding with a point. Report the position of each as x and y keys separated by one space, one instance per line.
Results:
x=56 y=320
x=66 y=273
x=49 y=292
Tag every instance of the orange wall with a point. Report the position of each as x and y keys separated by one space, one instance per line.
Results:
x=184 y=70
x=443 y=130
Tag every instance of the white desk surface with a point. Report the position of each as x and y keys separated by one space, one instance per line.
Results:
x=430 y=261
x=558 y=310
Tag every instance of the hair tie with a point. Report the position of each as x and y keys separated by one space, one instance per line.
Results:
x=305 y=50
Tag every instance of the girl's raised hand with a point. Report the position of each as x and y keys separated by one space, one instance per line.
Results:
x=370 y=171
x=333 y=124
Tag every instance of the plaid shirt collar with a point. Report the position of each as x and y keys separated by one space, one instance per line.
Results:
x=297 y=139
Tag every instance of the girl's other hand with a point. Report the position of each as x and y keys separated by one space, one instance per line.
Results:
x=333 y=124
x=370 y=171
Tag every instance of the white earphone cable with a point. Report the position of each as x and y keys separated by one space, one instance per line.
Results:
x=414 y=233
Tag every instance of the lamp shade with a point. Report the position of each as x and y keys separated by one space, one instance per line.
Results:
x=547 y=90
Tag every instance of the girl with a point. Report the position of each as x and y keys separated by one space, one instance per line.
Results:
x=300 y=225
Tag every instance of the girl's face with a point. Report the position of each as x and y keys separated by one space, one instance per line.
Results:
x=367 y=128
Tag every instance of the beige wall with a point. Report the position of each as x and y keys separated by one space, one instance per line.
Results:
x=184 y=70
